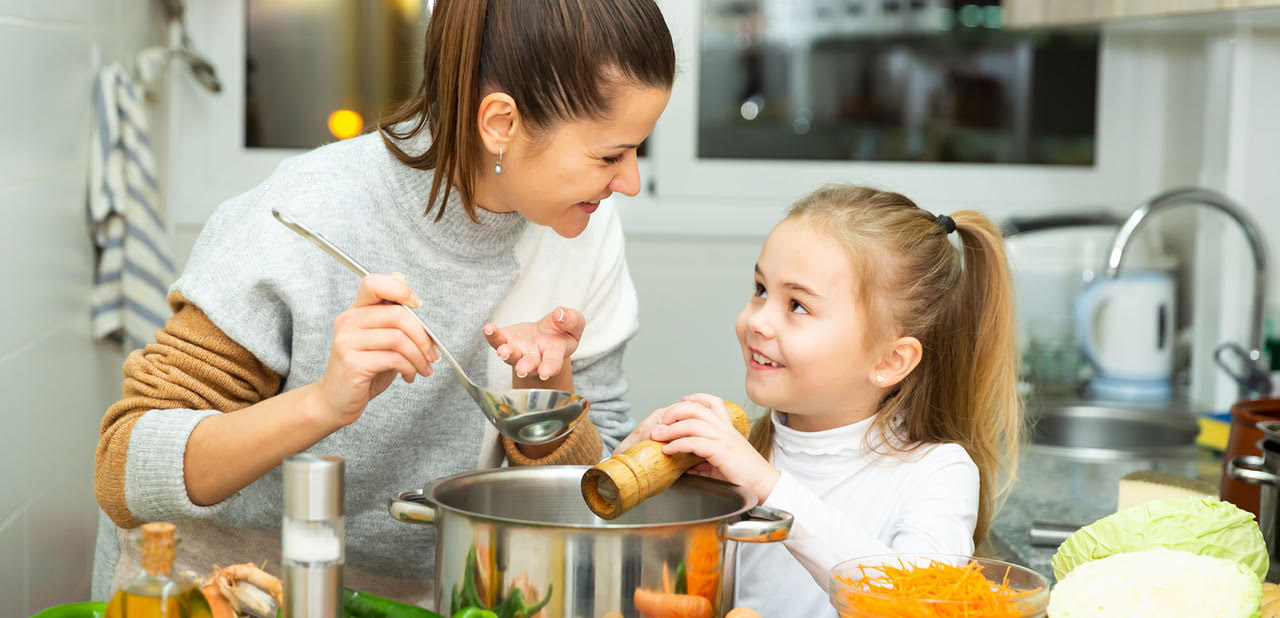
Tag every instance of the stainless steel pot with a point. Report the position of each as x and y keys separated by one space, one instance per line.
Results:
x=1264 y=471
x=1271 y=429
x=529 y=528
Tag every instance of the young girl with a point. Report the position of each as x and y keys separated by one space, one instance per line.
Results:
x=887 y=356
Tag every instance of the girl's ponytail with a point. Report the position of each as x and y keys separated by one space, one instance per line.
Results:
x=993 y=429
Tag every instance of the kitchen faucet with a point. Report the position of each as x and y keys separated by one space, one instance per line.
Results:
x=1254 y=378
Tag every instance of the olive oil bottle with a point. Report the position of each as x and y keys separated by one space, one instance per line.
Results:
x=157 y=592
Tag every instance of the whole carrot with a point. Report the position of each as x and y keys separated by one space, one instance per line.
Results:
x=653 y=604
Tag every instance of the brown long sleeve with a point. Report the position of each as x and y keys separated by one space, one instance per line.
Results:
x=582 y=447
x=191 y=365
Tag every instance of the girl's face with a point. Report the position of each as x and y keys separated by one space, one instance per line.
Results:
x=803 y=332
x=557 y=179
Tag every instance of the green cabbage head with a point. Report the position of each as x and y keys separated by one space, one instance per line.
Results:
x=1202 y=526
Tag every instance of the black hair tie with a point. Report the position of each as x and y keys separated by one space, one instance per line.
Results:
x=947 y=223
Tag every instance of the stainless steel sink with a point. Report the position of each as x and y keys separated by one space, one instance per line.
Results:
x=1069 y=474
x=1099 y=432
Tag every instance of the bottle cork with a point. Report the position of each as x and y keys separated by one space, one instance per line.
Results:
x=619 y=483
x=158 y=547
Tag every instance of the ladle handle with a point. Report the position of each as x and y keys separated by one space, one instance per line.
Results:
x=619 y=483
x=357 y=268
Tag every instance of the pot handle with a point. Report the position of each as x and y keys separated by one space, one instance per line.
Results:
x=408 y=507
x=761 y=524
x=1248 y=468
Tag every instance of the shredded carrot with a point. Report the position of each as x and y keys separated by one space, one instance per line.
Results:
x=703 y=553
x=704 y=585
x=702 y=566
x=915 y=591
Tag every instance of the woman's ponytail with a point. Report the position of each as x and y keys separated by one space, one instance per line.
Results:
x=446 y=103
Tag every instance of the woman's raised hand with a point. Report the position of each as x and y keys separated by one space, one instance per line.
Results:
x=373 y=341
x=539 y=348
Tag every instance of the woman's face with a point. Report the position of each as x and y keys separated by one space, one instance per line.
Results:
x=558 y=178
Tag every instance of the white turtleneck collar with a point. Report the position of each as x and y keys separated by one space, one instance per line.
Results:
x=831 y=450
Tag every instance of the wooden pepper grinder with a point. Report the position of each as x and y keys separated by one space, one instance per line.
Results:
x=619 y=483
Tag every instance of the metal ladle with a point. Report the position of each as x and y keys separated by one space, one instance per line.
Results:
x=525 y=415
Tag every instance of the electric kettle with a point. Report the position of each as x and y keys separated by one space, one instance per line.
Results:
x=1126 y=331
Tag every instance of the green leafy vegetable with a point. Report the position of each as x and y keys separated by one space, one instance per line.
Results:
x=465 y=601
x=1201 y=526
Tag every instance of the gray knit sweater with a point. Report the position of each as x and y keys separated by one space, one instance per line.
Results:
x=277 y=295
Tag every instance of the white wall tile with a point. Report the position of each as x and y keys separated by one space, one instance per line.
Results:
x=47 y=243
x=56 y=391
x=13 y=582
x=61 y=530
x=139 y=24
x=57 y=82
x=92 y=12
x=12 y=159
x=57 y=383
x=184 y=239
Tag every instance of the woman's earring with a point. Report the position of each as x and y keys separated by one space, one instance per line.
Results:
x=879 y=378
x=497 y=169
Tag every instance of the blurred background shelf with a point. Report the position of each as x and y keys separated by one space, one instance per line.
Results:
x=1142 y=15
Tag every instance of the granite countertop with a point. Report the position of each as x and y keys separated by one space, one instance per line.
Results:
x=1056 y=490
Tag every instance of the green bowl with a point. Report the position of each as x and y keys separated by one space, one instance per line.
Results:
x=88 y=609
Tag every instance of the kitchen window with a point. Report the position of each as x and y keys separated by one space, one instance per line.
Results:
x=324 y=69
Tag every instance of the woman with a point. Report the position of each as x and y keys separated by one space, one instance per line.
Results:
x=484 y=191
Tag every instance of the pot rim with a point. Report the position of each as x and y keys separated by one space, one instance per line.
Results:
x=427 y=494
x=1269 y=428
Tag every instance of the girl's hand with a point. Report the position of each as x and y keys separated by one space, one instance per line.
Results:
x=700 y=425
x=541 y=347
x=373 y=340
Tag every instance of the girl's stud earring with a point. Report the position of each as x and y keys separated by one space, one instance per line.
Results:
x=497 y=169
x=879 y=378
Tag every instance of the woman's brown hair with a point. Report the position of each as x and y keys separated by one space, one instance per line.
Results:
x=558 y=59
x=912 y=281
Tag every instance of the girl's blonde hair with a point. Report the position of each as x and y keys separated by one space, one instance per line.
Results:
x=912 y=281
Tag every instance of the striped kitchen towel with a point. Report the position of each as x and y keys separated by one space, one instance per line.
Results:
x=134 y=264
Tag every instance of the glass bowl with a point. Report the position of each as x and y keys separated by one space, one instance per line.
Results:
x=853 y=596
